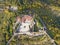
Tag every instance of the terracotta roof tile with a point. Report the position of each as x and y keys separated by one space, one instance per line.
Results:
x=26 y=17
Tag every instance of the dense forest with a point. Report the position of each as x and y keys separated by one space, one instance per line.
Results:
x=47 y=10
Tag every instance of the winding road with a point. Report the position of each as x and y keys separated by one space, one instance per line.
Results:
x=31 y=34
x=46 y=32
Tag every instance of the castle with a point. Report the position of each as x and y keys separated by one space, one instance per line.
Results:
x=26 y=22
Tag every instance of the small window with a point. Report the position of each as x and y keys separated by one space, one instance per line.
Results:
x=24 y=26
x=29 y=26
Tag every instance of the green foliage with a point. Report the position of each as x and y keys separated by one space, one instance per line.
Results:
x=39 y=9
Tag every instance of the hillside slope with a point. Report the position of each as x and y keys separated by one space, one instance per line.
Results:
x=47 y=10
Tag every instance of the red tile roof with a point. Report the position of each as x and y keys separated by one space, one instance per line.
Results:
x=24 y=18
x=18 y=18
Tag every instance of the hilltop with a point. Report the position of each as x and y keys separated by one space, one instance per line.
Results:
x=47 y=10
